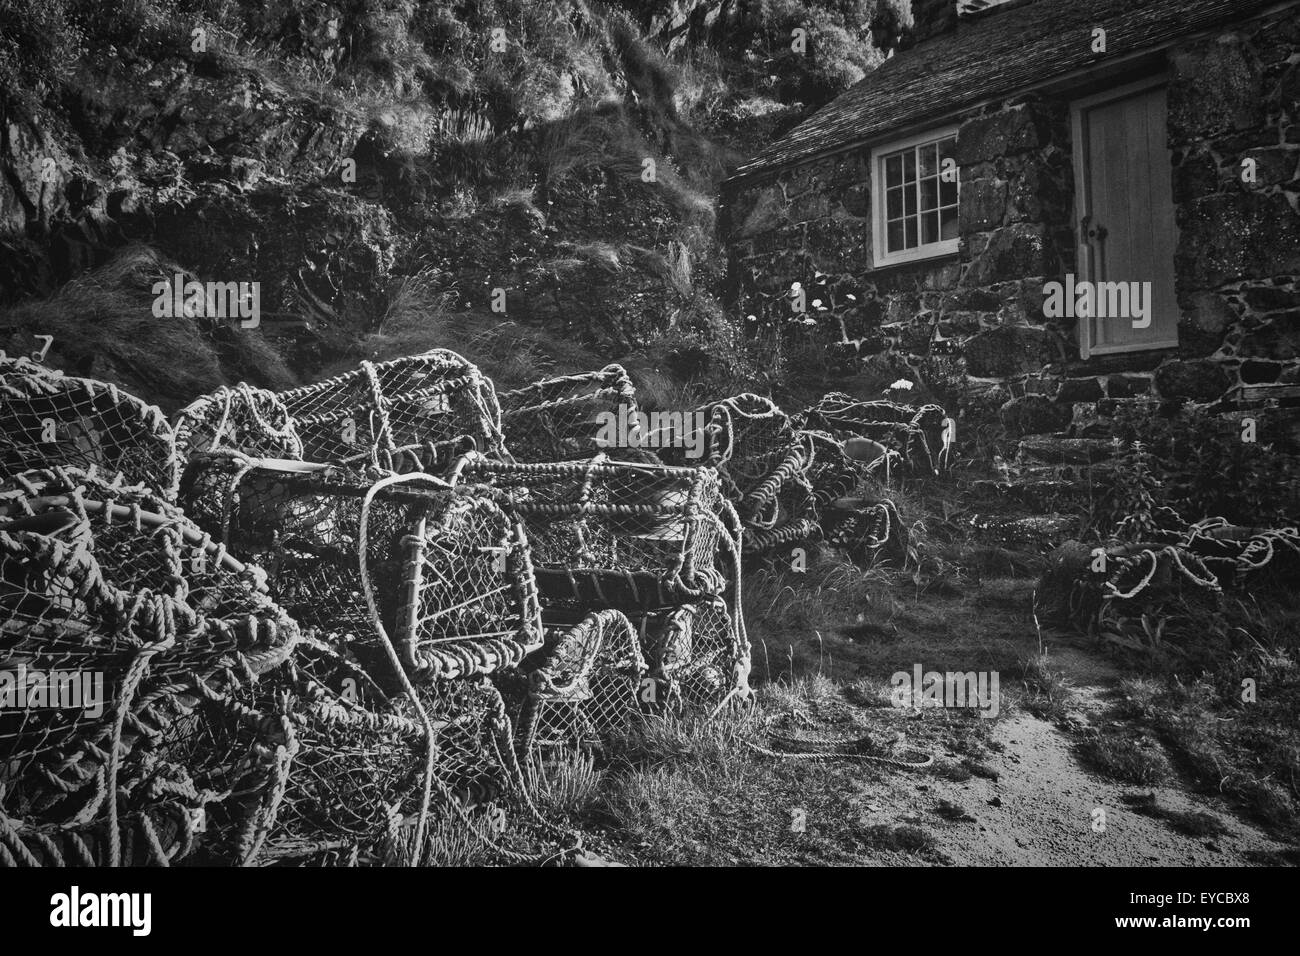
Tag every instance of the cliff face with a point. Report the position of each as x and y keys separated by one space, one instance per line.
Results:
x=504 y=177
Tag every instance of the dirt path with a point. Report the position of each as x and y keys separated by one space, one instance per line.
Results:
x=1045 y=808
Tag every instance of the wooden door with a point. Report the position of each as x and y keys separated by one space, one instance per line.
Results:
x=1125 y=209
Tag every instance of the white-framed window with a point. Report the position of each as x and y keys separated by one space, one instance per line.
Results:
x=914 y=189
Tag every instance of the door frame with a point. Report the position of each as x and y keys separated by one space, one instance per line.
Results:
x=1082 y=203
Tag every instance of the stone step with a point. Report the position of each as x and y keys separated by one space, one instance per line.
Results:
x=1030 y=531
x=1035 y=492
x=1097 y=419
x=1059 y=450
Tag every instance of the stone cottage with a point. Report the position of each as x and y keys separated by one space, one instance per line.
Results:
x=1142 y=154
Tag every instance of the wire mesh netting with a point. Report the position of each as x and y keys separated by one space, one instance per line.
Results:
x=245 y=419
x=378 y=783
x=445 y=571
x=48 y=418
x=584 y=688
x=698 y=656
x=617 y=535
x=404 y=414
x=565 y=418
x=122 y=628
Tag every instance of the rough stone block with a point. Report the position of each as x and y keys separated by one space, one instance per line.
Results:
x=999 y=134
x=1009 y=350
x=1200 y=380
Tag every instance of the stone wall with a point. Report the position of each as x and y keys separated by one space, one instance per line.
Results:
x=1236 y=97
x=972 y=324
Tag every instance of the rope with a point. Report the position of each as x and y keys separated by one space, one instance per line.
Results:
x=927 y=758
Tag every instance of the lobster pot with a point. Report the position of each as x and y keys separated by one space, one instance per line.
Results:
x=569 y=417
x=143 y=634
x=585 y=688
x=832 y=474
x=754 y=440
x=444 y=573
x=916 y=434
x=618 y=534
x=48 y=418
x=140 y=542
x=867 y=531
x=354 y=777
x=698 y=656
x=406 y=414
x=782 y=508
x=1234 y=554
x=764 y=470
x=1136 y=579
x=252 y=421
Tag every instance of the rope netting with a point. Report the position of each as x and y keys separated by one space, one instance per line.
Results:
x=916 y=435
x=249 y=420
x=412 y=413
x=124 y=629
x=48 y=418
x=792 y=485
x=562 y=418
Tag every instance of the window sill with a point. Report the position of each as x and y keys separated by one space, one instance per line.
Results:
x=937 y=259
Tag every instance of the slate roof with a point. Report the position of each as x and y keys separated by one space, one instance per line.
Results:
x=990 y=56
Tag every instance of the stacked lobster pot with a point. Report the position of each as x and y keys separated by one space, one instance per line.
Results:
x=568 y=417
x=48 y=418
x=764 y=461
x=409 y=414
x=794 y=485
x=415 y=593
x=654 y=550
x=651 y=547
x=129 y=644
x=863 y=448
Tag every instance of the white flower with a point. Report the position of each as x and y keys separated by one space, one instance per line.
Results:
x=851 y=297
x=751 y=318
x=817 y=303
x=795 y=286
x=810 y=321
x=902 y=383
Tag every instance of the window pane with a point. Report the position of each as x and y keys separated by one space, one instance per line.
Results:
x=929 y=157
x=895 y=238
x=894 y=203
x=949 y=229
x=909 y=195
x=947 y=148
x=911 y=234
x=893 y=170
x=930 y=227
x=909 y=167
x=929 y=193
x=948 y=193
